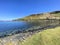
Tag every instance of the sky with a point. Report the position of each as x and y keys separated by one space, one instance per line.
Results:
x=13 y=9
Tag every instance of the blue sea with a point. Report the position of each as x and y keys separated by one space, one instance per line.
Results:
x=11 y=26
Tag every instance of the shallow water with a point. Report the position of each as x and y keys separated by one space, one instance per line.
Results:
x=7 y=26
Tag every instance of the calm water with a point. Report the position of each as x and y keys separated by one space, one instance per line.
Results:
x=11 y=27
x=7 y=26
x=14 y=26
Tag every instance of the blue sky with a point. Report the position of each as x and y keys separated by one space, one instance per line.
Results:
x=11 y=9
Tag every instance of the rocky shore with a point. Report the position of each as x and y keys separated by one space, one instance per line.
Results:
x=18 y=38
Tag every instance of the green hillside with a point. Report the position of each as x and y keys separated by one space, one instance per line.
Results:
x=46 y=37
x=49 y=15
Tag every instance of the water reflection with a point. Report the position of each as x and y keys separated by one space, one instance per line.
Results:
x=17 y=27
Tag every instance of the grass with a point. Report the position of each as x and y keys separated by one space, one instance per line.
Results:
x=46 y=37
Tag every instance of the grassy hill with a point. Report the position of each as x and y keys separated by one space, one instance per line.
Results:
x=49 y=15
x=46 y=37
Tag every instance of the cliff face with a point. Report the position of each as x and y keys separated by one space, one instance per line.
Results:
x=49 y=15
